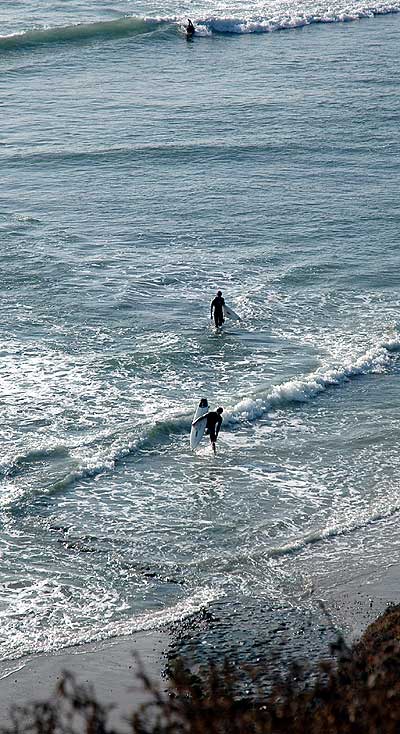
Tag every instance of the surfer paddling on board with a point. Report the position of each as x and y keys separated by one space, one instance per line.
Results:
x=190 y=29
x=217 y=309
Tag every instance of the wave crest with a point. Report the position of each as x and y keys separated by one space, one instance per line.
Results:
x=277 y=19
x=376 y=359
x=108 y=29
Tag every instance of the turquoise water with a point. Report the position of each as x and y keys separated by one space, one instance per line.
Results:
x=140 y=173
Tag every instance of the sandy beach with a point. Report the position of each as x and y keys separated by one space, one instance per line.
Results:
x=109 y=667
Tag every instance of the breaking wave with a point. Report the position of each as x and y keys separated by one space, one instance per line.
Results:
x=377 y=359
x=100 y=30
x=283 y=17
x=274 y=17
x=249 y=409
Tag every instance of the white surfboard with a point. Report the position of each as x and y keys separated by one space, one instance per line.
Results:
x=229 y=313
x=197 y=432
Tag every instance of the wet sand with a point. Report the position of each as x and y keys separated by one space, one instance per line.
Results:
x=356 y=604
x=109 y=667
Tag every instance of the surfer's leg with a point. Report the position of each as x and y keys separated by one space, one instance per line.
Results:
x=213 y=439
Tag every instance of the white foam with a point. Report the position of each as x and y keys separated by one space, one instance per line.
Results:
x=286 y=15
x=98 y=631
x=249 y=408
x=302 y=390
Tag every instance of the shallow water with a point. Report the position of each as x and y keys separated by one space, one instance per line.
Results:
x=141 y=172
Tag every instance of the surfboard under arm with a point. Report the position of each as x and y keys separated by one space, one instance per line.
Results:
x=199 y=423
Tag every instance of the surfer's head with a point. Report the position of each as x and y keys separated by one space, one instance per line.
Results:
x=220 y=410
x=219 y=293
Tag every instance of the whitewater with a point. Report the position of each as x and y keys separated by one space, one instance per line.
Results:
x=142 y=172
x=47 y=23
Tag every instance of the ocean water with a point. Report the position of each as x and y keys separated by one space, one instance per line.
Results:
x=141 y=172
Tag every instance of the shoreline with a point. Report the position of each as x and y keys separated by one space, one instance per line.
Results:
x=109 y=667
x=357 y=603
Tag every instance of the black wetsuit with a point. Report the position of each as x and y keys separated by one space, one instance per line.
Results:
x=214 y=421
x=218 y=304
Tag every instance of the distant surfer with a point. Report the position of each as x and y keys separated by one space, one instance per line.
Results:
x=214 y=420
x=217 y=310
x=190 y=29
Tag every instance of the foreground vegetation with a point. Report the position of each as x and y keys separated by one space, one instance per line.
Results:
x=355 y=692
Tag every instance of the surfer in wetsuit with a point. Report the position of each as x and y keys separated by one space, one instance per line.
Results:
x=217 y=308
x=214 y=420
x=190 y=29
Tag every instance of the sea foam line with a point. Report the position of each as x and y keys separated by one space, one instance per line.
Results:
x=286 y=18
x=102 y=462
x=65 y=636
x=276 y=19
x=376 y=359
x=330 y=533
x=249 y=409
